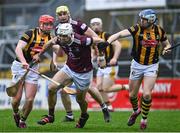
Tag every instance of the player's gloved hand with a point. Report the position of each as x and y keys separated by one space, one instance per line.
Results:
x=102 y=45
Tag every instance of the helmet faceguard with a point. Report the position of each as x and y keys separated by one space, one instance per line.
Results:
x=148 y=15
x=63 y=10
x=46 y=23
x=65 y=31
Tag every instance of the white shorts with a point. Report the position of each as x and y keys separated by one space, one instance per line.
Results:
x=108 y=72
x=18 y=72
x=81 y=80
x=139 y=70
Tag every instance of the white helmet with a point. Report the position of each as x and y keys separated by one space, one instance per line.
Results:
x=65 y=29
x=96 y=20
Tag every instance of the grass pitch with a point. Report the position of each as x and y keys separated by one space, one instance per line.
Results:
x=158 y=121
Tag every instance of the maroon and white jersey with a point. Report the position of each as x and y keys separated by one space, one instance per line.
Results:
x=78 y=53
x=78 y=27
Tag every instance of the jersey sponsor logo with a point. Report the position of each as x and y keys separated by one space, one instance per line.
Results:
x=88 y=41
x=83 y=26
x=37 y=49
x=149 y=43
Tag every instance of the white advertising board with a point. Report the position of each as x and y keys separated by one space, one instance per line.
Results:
x=122 y=4
x=40 y=101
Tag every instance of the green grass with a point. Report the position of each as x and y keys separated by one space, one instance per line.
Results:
x=158 y=121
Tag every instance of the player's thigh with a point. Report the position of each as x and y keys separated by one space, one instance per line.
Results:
x=149 y=83
x=134 y=86
x=60 y=77
x=30 y=90
x=107 y=82
x=99 y=82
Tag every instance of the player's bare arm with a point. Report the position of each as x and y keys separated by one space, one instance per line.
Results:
x=117 y=50
x=90 y=32
x=19 y=52
x=97 y=40
x=167 y=46
x=54 y=63
x=121 y=34
x=50 y=43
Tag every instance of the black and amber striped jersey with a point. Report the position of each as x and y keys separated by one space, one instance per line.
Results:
x=109 y=52
x=146 y=44
x=35 y=43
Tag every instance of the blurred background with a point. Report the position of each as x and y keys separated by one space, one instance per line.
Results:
x=16 y=16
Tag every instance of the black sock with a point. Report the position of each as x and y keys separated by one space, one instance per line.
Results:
x=51 y=112
x=15 y=111
x=84 y=114
x=103 y=106
x=70 y=113
x=23 y=118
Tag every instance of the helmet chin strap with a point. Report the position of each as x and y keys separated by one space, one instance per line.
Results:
x=72 y=40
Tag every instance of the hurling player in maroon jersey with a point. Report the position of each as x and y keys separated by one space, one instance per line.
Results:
x=77 y=70
x=63 y=16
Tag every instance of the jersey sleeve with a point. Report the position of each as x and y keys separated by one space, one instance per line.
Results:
x=106 y=36
x=27 y=36
x=83 y=27
x=133 y=29
x=83 y=40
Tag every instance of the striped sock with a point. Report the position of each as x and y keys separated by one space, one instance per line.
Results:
x=134 y=103
x=145 y=107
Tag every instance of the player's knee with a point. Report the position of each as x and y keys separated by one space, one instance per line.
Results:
x=147 y=96
x=29 y=101
x=80 y=100
x=15 y=102
x=52 y=87
x=132 y=95
x=64 y=94
x=51 y=91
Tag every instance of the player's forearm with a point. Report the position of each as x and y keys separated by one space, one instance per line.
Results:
x=20 y=55
x=118 y=35
x=46 y=47
x=117 y=49
x=90 y=33
x=97 y=40
x=19 y=52
x=55 y=57
x=113 y=37
x=166 y=44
